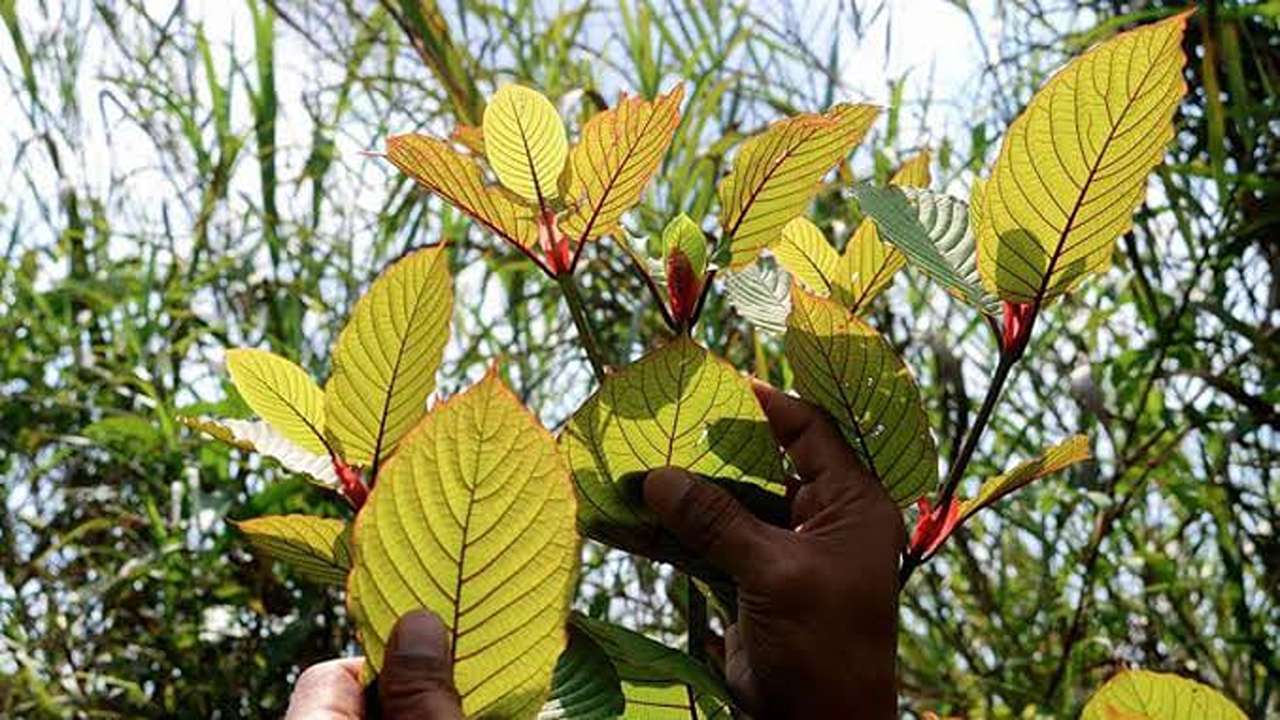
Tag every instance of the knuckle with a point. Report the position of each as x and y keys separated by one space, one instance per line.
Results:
x=709 y=514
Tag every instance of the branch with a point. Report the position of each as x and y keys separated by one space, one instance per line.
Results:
x=585 y=335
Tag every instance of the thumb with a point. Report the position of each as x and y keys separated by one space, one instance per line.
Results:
x=709 y=521
x=417 y=673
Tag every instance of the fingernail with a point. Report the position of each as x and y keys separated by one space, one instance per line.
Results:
x=419 y=634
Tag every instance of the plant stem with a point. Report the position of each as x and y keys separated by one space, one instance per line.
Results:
x=956 y=473
x=578 y=311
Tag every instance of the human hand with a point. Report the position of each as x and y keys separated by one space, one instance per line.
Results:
x=816 y=634
x=416 y=679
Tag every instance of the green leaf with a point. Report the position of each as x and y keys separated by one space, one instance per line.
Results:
x=933 y=231
x=525 y=142
x=584 y=685
x=260 y=437
x=473 y=519
x=1145 y=695
x=843 y=365
x=805 y=253
x=683 y=235
x=679 y=405
x=444 y=171
x=654 y=674
x=385 y=362
x=620 y=150
x=777 y=173
x=1073 y=167
x=761 y=293
x=317 y=548
x=1059 y=457
x=281 y=393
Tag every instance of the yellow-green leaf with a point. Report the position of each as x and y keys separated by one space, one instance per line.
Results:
x=866 y=268
x=683 y=235
x=385 y=362
x=678 y=405
x=1073 y=167
x=281 y=393
x=868 y=264
x=261 y=437
x=844 y=366
x=1059 y=457
x=777 y=173
x=473 y=519
x=805 y=253
x=317 y=548
x=619 y=151
x=1145 y=695
x=525 y=142
x=457 y=178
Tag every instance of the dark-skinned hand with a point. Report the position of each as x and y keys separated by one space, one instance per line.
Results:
x=816 y=635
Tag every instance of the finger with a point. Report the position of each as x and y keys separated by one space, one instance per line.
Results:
x=812 y=441
x=417 y=675
x=328 y=691
x=737 y=671
x=709 y=522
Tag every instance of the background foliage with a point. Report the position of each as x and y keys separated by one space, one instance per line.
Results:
x=179 y=180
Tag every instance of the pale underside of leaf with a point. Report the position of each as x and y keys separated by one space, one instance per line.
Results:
x=473 y=519
x=933 y=231
x=868 y=264
x=658 y=681
x=386 y=358
x=777 y=173
x=260 y=437
x=1073 y=167
x=282 y=394
x=458 y=179
x=317 y=548
x=844 y=366
x=761 y=293
x=1057 y=458
x=618 y=153
x=525 y=142
x=679 y=406
x=1145 y=695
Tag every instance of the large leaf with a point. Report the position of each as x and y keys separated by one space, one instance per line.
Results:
x=843 y=365
x=458 y=179
x=1073 y=167
x=585 y=685
x=281 y=393
x=656 y=677
x=385 y=363
x=761 y=293
x=777 y=173
x=679 y=405
x=805 y=253
x=260 y=437
x=317 y=548
x=1145 y=695
x=473 y=519
x=1059 y=457
x=525 y=142
x=619 y=151
x=933 y=230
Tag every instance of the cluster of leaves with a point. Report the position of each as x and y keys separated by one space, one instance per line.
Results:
x=472 y=513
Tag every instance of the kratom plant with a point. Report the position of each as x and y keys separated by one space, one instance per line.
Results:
x=473 y=510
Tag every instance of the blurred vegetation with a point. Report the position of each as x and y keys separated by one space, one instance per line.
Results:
x=176 y=185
